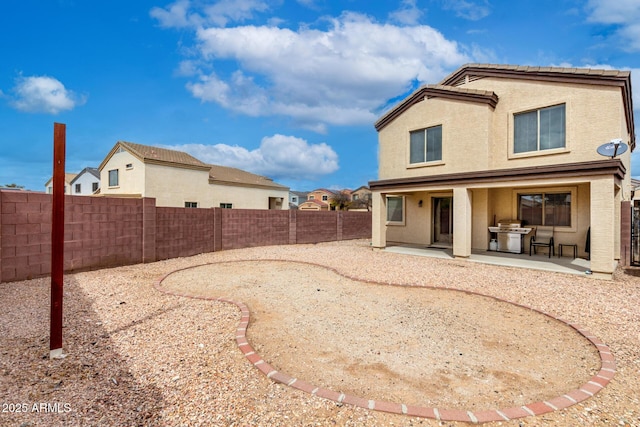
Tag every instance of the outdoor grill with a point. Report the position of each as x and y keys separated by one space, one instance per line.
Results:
x=510 y=234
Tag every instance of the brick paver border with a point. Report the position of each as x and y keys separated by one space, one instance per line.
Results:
x=571 y=397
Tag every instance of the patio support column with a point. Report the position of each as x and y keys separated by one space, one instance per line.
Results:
x=378 y=220
x=603 y=227
x=461 y=222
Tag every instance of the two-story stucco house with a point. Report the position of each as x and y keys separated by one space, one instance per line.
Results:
x=177 y=179
x=497 y=141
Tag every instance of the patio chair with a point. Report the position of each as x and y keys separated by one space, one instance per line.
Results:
x=543 y=237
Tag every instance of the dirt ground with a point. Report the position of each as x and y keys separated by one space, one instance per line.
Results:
x=417 y=346
x=139 y=357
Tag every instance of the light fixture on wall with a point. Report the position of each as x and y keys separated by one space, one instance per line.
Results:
x=420 y=204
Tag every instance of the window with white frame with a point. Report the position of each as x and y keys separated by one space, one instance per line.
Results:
x=94 y=186
x=545 y=209
x=113 y=178
x=395 y=209
x=425 y=145
x=78 y=188
x=542 y=129
x=190 y=204
x=226 y=205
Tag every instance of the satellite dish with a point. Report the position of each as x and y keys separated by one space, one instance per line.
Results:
x=612 y=148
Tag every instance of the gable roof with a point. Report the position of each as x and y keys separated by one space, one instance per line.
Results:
x=68 y=178
x=93 y=171
x=438 y=91
x=229 y=175
x=592 y=76
x=156 y=155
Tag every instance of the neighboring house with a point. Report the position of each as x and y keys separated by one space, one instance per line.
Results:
x=68 y=177
x=296 y=197
x=177 y=179
x=360 y=199
x=313 y=205
x=235 y=188
x=318 y=200
x=86 y=183
x=492 y=142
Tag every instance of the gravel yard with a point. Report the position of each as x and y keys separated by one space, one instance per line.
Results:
x=136 y=356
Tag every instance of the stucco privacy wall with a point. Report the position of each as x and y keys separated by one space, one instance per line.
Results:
x=107 y=232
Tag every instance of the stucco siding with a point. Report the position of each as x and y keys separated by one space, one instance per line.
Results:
x=465 y=134
x=246 y=197
x=172 y=186
x=130 y=180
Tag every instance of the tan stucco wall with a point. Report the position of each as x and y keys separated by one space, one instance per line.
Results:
x=246 y=197
x=484 y=137
x=465 y=132
x=131 y=181
x=172 y=186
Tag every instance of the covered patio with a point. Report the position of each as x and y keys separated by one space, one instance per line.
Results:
x=540 y=261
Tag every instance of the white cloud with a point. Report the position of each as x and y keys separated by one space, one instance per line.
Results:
x=467 y=9
x=176 y=15
x=278 y=157
x=340 y=75
x=623 y=13
x=179 y=15
x=408 y=14
x=42 y=94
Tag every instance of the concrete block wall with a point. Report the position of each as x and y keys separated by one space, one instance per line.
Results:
x=106 y=232
x=317 y=226
x=183 y=232
x=243 y=228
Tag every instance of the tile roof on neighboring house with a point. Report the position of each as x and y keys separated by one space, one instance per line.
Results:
x=315 y=202
x=165 y=156
x=68 y=178
x=229 y=175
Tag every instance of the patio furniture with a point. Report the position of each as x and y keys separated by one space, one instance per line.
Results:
x=543 y=237
x=569 y=245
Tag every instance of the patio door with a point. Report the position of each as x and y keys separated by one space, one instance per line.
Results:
x=443 y=221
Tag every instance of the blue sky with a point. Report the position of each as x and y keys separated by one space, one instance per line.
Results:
x=285 y=88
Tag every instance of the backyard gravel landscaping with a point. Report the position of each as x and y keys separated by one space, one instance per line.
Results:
x=324 y=313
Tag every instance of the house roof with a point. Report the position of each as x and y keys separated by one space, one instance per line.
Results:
x=93 y=171
x=68 y=178
x=449 y=86
x=157 y=155
x=315 y=202
x=438 y=91
x=229 y=175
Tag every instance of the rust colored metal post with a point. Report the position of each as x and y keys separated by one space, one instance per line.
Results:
x=57 y=240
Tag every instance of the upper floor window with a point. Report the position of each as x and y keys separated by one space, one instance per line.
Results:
x=226 y=205
x=190 y=204
x=311 y=197
x=78 y=188
x=541 y=129
x=94 y=186
x=325 y=198
x=113 y=178
x=425 y=145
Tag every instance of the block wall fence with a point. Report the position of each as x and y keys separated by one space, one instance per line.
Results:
x=107 y=232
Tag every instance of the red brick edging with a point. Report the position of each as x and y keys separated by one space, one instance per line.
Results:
x=584 y=392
